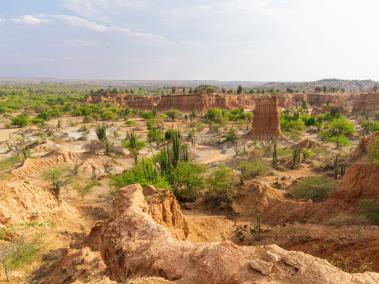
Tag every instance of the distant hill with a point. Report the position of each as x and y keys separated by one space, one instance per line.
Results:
x=329 y=84
x=347 y=85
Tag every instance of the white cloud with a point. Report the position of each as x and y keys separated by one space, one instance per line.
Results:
x=91 y=25
x=28 y=20
x=100 y=8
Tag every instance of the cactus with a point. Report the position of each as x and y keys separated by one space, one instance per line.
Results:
x=171 y=155
x=56 y=186
x=336 y=166
x=275 y=160
x=257 y=229
x=296 y=157
x=342 y=170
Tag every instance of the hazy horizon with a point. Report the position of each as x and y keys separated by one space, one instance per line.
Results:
x=241 y=40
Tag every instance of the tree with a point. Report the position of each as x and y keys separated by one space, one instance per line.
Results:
x=239 y=90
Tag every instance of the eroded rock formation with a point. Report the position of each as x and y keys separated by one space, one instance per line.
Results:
x=266 y=120
x=366 y=103
x=204 y=102
x=132 y=243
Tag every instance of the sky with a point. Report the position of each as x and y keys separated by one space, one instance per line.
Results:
x=240 y=40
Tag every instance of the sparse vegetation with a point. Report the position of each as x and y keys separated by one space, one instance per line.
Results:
x=221 y=188
x=252 y=169
x=316 y=188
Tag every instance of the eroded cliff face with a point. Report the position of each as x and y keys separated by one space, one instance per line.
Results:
x=204 y=102
x=366 y=103
x=133 y=243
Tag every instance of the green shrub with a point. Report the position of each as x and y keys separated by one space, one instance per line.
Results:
x=155 y=135
x=216 y=115
x=173 y=114
x=187 y=180
x=221 y=188
x=133 y=144
x=144 y=173
x=252 y=169
x=170 y=133
x=148 y=114
x=308 y=153
x=19 y=255
x=20 y=120
x=370 y=210
x=231 y=136
x=316 y=188
x=86 y=189
x=370 y=126
x=130 y=123
x=373 y=151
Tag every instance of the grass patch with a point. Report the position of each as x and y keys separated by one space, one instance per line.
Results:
x=252 y=168
x=373 y=151
x=316 y=188
x=370 y=210
x=19 y=255
x=84 y=190
x=9 y=163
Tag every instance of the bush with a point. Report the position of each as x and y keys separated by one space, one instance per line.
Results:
x=155 y=135
x=20 y=120
x=316 y=188
x=370 y=210
x=216 y=115
x=173 y=114
x=19 y=255
x=131 y=123
x=170 y=133
x=221 y=188
x=338 y=130
x=187 y=180
x=148 y=114
x=252 y=169
x=373 y=151
x=144 y=173
x=231 y=135
x=338 y=127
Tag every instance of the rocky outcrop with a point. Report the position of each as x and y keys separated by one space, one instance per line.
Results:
x=361 y=180
x=266 y=121
x=132 y=243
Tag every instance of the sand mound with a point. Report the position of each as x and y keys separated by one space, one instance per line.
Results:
x=132 y=243
x=21 y=201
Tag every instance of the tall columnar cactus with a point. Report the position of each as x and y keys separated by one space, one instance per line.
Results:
x=275 y=160
x=342 y=170
x=149 y=171
x=171 y=155
x=176 y=147
x=336 y=166
x=257 y=229
x=296 y=157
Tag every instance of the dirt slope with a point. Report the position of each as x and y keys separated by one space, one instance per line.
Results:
x=132 y=243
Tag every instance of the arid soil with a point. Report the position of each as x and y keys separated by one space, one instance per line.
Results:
x=144 y=237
